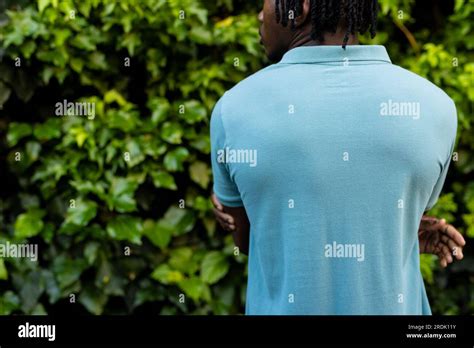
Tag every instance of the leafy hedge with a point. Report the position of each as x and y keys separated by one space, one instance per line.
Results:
x=119 y=204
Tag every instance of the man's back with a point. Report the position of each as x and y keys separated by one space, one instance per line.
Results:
x=335 y=155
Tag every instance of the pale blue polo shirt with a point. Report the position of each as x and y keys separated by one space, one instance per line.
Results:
x=335 y=155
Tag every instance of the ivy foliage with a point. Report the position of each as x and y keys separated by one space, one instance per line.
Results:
x=118 y=202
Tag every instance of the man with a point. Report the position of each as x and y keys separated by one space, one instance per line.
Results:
x=326 y=162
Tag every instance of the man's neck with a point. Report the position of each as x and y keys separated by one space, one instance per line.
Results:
x=302 y=38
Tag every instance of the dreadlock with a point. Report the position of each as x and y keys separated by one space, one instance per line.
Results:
x=358 y=16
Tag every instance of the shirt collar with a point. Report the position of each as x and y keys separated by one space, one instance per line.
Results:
x=326 y=53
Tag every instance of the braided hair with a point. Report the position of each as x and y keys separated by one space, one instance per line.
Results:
x=358 y=16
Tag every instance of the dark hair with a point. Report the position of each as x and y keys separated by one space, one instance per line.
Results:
x=358 y=16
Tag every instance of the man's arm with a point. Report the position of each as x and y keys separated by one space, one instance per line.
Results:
x=234 y=220
x=241 y=233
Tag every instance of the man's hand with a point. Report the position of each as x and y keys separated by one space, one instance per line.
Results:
x=440 y=238
x=225 y=220
x=234 y=220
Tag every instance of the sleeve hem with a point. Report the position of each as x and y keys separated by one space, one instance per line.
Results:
x=232 y=202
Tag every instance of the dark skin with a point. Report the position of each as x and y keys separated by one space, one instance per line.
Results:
x=277 y=40
x=435 y=236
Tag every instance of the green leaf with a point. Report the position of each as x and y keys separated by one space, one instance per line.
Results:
x=51 y=286
x=9 y=302
x=29 y=224
x=108 y=279
x=192 y=287
x=160 y=109
x=28 y=48
x=202 y=143
x=51 y=129
x=67 y=270
x=32 y=287
x=85 y=8
x=114 y=96
x=83 y=42
x=76 y=64
x=38 y=310
x=135 y=154
x=84 y=211
x=46 y=74
x=17 y=131
x=121 y=195
x=200 y=173
x=33 y=149
x=97 y=61
x=122 y=119
x=181 y=259
x=469 y=221
x=163 y=179
x=91 y=252
x=93 y=299
x=4 y=93
x=85 y=187
x=174 y=159
x=214 y=266
x=60 y=37
x=159 y=234
x=200 y=13
x=200 y=35
x=194 y=112
x=3 y=272
x=130 y=41
x=24 y=86
x=126 y=227
x=179 y=220
x=164 y=274
x=42 y=4
x=426 y=267
x=172 y=132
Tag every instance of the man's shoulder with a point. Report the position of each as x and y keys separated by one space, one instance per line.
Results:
x=422 y=86
x=253 y=85
x=435 y=104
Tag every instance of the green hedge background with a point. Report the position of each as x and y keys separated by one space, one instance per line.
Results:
x=119 y=205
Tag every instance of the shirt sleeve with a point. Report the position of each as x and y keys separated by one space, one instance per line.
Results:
x=439 y=185
x=224 y=187
x=442 y=178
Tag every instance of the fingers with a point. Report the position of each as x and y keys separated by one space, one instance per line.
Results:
x=454 y=234
x=224 y=217
x=216 y=202
x=429 y=222
x=450 y=237
x=442 y=261
x=453 y=239
x=432 y=224
x=455 y=249
x=225 y=220
x=447 y=253
x=429 y=219
x=444 y=256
